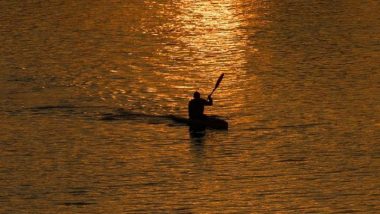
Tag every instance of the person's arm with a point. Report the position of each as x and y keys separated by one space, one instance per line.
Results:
x=209 y=101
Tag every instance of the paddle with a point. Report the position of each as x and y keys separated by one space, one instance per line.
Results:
x=217 y=84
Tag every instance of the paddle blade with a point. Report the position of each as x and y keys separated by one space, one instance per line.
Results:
x=219 y=81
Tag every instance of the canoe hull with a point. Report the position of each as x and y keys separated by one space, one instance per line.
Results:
x=199 y=124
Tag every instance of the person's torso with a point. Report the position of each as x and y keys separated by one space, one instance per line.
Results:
x=196 y=108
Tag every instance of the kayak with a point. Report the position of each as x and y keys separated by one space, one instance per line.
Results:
x=210 y=122
x=199 y=124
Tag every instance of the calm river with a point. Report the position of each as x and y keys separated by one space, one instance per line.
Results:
x=301 y=94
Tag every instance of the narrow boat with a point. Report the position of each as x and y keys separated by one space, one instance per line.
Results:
x=199 y=124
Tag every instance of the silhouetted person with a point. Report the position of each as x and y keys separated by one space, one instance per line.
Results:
x=197 y=106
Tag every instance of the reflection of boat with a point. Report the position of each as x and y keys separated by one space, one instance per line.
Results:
x=199 y=124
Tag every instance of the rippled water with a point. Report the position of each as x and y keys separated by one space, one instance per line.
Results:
x=300 y=93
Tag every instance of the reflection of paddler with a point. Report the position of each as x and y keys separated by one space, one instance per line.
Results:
x=197 y=106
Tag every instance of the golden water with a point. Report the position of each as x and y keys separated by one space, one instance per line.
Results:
x=300 y=93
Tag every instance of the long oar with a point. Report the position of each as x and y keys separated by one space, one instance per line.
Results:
x=217 y=83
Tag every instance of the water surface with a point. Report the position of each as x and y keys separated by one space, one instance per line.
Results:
x=300 y=93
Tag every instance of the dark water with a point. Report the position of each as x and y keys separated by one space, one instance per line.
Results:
x=300 y=93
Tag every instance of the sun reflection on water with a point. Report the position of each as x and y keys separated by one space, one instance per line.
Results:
x=207 y=38
x=211 y=39
x=190 y=44
x=211 y=33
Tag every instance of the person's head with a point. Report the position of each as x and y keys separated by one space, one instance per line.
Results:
x=197 y=95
